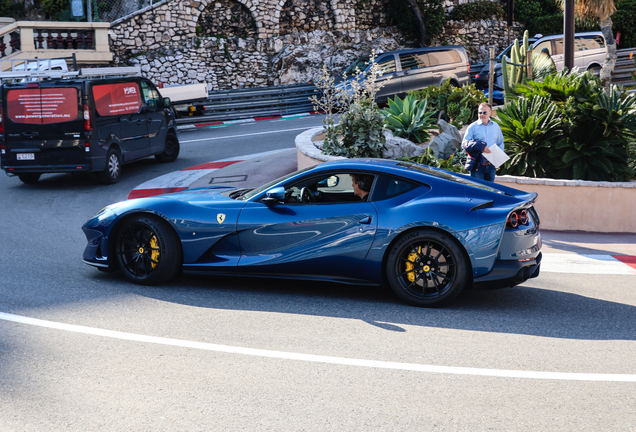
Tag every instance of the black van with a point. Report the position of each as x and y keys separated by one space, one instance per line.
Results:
x=76 y=122
x=411 y=69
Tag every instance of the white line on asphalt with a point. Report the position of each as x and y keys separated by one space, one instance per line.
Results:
x=501 y=373
x=584 y=264
x=250 y=134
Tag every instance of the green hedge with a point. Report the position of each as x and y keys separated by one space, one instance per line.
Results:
x=480 y=10
x=401 y=15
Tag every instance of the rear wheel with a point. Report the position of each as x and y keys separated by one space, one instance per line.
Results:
x=147 y=250
x=112 y=171
x=426 y=268
x=171 y=151
x=594 y=69
x=29 y=178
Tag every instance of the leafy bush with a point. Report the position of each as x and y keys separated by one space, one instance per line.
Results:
x=456 y=105
x=479 y=10
x=53 y=7
x=11 y=9
x=409 y=118
x=361 y=131
x=401 y=15
x=454 y=163
x=529 y=127
x=595 y=134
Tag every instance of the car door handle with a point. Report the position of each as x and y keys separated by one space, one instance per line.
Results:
x=366 y=220
x=138 y=122
x=30 y=134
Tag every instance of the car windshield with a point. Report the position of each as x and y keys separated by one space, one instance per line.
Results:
x=448 y=176
x=249 y=193
x=357 y=66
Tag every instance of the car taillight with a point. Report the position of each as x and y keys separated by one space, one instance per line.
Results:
x=468 y=64
x=87 y=146
x=3 y=149
x=477 y=76
x=1 y=124
x=517 y=218
x=88 y=126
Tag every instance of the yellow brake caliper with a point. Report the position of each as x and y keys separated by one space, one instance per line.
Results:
x=411 y=259
x=154 y=245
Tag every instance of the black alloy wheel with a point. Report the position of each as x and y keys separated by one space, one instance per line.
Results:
x=426 y=268
x=171 y=150
x=147 y=250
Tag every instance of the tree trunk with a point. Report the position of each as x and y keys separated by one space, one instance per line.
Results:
x=420 y=21
x=610 y=58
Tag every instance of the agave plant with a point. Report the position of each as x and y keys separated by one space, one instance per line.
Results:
x=408 y=118
x=529 y=127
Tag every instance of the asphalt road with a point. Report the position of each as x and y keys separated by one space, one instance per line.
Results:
x=201 y=354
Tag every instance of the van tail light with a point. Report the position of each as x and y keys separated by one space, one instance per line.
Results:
x=468 y=64
x=88 y=124
x=3 y=149
x=1 y=124
x=87 y=146
x=517 y=218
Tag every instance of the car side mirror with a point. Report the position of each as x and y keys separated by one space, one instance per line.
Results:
x=274 y=196
x=166 y=102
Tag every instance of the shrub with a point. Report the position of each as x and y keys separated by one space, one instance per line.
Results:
x=529 y=126
x=445 y=99
x=361 y=131
x=401 y=15
x=479 y=10
x=595 y=133
x=454 y=163
x=409 y=118
x=53 y=7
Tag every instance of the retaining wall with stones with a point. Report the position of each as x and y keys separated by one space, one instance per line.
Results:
x=251 y=43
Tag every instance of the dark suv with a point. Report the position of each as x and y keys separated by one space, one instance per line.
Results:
x=412 y=69
x=74 y=122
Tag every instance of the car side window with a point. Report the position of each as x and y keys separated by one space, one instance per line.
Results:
x=541 y=45
x=414 y=61
x=328 y=189
x=558 y=46
x=151 y=96
x=444 y=57
x=387 y=65
x=389 y=187
x=585 y=43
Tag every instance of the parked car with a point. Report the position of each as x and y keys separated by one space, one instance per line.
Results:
x=411 y=69
x=589 y=54
x=93 y=121
x=428 y=233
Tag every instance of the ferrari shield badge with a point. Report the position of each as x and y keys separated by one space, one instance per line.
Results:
x=220 y=218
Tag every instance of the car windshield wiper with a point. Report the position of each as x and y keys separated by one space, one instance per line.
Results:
x=238 y=194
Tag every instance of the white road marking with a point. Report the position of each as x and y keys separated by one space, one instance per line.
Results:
x=584 y=264
x=502 y=373
x=249 y=134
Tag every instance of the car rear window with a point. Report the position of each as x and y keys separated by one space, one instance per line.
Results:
x=444 y=57
x=42 y=105
x=117 y=99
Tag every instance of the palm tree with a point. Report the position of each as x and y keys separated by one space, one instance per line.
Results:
x=603 y=10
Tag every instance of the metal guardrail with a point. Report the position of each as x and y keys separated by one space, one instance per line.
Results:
x=256 y=102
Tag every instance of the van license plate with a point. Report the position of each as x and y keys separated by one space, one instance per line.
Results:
x=26 y=156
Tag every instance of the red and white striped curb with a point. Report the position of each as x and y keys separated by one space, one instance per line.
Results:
x=180 y=180
x=589 y=264
x=229 y=122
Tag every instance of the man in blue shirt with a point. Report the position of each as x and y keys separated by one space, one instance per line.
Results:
x=480 y=135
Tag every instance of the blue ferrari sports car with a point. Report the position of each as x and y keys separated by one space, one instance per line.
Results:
x=426 y=233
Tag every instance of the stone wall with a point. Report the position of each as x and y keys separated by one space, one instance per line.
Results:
x=245 y=43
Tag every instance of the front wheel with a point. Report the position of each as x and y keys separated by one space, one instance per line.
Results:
x=171 y=150
x=426 y=268
x=147 y=250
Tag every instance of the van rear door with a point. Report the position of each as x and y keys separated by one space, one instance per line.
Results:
x=43 y=128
